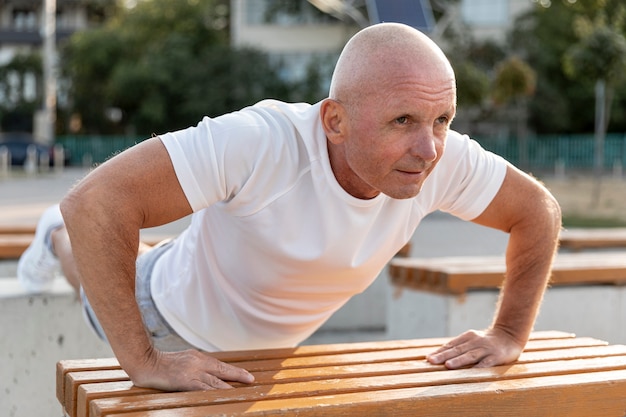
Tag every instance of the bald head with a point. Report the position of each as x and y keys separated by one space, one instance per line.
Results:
x=382 y=51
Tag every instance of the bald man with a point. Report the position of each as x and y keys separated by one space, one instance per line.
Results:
x=296 y=208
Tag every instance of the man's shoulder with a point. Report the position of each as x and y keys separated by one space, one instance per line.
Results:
x=277 y=108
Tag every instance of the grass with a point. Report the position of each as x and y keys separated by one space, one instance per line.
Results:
x=590 y=222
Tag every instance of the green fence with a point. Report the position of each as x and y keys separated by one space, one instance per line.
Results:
x=571 y=152
x=85 y=150
x=544 y=153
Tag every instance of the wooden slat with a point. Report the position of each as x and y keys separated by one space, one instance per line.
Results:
x=457 y=275
x=12 y=245
x=538 y=340
x=17 y=229
x=588 y=238
x=77 y=365
x=85 y=380
x=91 y=392
x=74 y=379
x=366 y=384
x=595 y=394
x=88 y=392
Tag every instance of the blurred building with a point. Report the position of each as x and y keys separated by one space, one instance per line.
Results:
x=314 y=30
x=491 y=18
x=22 y=35
x=21 y=24
x=295 y=33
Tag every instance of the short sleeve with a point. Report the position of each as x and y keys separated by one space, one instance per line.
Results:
x=466 y=179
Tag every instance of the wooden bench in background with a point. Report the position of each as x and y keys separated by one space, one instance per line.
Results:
x=593 y=238
x=445 y=296
x=457 y=275
x=557 y=374
x=13 y=245
x=15 y=239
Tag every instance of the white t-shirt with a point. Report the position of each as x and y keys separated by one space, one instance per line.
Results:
x=276 y=245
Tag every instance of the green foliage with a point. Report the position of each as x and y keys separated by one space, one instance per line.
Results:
x=165 y=64
x=544 y=36
x=472 y=84
x=17 y=108
x=473 y=66
x=88 y=64
x=514 y=79
x=600 y=55
x=591 y=222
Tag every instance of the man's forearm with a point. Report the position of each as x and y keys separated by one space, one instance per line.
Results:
x=105 y=251
x=529 y=261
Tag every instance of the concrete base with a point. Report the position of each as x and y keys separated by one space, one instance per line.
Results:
x=594 y=311
x=38 y=331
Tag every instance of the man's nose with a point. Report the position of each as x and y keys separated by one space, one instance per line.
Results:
x=423 y=146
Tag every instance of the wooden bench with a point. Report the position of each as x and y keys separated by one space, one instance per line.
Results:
x=17 y=229
x=557 y=374
x=450 y=294
x=457 y=275
x=12 y=245
x=593 y=238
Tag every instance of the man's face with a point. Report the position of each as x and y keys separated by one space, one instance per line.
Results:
x=396 y=136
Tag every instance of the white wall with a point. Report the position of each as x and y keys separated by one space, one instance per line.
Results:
x=38 y=331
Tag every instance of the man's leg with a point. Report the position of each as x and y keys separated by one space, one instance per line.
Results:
x=38 y=265
x=62 y=249
x=50 y=253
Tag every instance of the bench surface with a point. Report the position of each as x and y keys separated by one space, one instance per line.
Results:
x=457 y=275
x=587 y=238
x=557 y=374
x=12 y=245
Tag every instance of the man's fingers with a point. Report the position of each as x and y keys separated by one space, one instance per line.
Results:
x=448 y=351
x=228 y=372
x=212 y=382
x=458 y=356
x=191 y=370
x=476 y=348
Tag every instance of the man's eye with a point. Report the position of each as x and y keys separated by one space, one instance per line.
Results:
x=402 y=120
x=443 y=120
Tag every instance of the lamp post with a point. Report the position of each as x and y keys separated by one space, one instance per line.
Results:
x=48 y=34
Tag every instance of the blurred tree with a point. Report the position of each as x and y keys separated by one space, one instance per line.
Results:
x=473 y=64
x=472 y=84
x=87 y=64
x=543 y=36
x=599 y=57
x=20 y=91
x=515 y=81
x=163 y=65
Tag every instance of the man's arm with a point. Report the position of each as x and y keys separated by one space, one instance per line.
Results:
x=532 y=217
x=103 y=215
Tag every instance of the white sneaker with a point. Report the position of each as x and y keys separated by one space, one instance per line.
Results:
x=38 y=266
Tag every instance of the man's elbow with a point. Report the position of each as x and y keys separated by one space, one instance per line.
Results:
x=552 y=213
x=80 y=204
x=71 y=206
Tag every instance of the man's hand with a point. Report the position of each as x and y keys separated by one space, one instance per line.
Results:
x=189 y=370
x=480 y=349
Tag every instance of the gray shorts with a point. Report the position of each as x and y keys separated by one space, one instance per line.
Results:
x=163 y=336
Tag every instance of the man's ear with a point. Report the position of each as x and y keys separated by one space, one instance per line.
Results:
x=334 y=120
